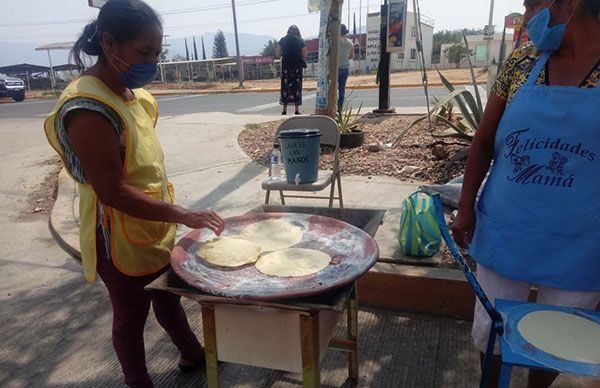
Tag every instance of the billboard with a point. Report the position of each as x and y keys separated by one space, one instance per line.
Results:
x=373 y=40
x=397 y=10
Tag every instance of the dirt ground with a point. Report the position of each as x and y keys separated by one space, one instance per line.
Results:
x=418 y=156
x=41 y=199
x=403 y=78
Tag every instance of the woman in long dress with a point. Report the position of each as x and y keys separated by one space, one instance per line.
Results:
x=292 y=51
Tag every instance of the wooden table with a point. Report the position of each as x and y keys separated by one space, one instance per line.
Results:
x=313 y=317
x=311 y=313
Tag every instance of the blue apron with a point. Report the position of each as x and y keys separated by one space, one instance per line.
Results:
x=538 y=217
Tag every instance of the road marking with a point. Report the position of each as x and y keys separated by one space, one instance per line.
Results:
x=24 y=103
x=178 y=98
x=259 y=108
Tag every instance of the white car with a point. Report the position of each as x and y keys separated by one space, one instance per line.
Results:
x=12 y=87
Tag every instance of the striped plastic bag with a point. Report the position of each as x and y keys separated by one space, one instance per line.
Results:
x=419 y=233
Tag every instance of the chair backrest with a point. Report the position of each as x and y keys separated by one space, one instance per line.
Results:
x=327 y=126
x=487 y=304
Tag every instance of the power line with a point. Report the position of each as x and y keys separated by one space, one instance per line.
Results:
x=248 y=20
x=164 y=13
x=190 y=26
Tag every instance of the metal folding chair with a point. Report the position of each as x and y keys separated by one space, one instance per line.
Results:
x=506 y=315
x=327 y=178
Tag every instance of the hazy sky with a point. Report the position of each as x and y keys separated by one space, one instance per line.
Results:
x=45 y=21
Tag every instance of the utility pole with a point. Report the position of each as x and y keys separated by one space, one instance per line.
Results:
x=334 y=39
x=237 y=47
x=360 y=37
x=349 y=15
x=490 y=31
x=491 y=12
x=384 y=65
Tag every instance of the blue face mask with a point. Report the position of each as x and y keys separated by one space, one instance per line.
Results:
x=137 y=76
x=544 y=37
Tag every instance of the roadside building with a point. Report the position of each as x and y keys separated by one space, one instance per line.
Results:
x=483 y=51
x=366 y=47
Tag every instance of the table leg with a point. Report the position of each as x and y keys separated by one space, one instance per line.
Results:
x=210 y=345
x=352 y=333
x=309 y=344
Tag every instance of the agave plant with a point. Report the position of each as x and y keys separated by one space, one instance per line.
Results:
x=469 y=105
x=346 y=119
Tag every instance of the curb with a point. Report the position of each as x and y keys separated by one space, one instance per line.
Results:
x=183 y=92
x=196 y=92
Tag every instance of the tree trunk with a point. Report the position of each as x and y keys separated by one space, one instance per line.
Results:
x=333 y=37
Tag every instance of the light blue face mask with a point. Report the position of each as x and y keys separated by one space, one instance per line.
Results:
x=544 y=37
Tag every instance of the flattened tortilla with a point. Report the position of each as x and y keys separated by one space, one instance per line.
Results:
x=273 y=235
x=563 y=335
x=229 y=251
x=293 y=262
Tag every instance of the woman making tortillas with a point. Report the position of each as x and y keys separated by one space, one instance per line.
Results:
x=103 y=128
x=538 y=217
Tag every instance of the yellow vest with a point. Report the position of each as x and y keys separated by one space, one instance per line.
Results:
x=138 y=247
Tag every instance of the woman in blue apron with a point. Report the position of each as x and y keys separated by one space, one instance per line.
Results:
x=538 y=217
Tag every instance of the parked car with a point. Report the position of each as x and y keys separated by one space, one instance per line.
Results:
x=12 y=87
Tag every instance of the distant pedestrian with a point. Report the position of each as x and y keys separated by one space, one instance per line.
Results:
x=345 y=54
x=103 y=127
x=292 y=51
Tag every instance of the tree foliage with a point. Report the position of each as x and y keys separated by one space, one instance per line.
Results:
x=220 y=46
x=454 y=36
x=456 y=53
x=269 y=49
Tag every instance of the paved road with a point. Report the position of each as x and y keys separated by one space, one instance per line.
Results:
x=254 y=103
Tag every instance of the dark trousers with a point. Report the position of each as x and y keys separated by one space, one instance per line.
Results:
x=342 y=79
x=131 y=304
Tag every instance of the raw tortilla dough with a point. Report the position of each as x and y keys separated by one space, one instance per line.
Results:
x=294 y=262
x=564 y=335
x=273 y=235
x=229 y=251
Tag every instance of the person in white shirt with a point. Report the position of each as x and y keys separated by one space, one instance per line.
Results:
x=345 y=54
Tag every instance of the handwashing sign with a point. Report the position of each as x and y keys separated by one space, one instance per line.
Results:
x=300 y=149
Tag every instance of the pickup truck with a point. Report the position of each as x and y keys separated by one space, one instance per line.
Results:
x=12 y=87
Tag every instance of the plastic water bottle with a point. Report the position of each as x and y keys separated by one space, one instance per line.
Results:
x=276 y=163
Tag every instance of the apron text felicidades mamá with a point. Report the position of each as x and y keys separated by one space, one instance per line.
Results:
x=538 y=218
x=138 y=247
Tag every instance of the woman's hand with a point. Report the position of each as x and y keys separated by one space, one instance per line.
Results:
x=199 y=219
x=463 y=228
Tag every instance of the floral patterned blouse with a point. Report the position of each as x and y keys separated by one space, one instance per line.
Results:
x=519 y=65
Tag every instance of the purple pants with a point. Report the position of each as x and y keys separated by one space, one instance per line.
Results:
x=131 y=304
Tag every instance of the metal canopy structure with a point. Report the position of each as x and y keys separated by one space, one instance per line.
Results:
x=51 y=47
x=23 y=68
